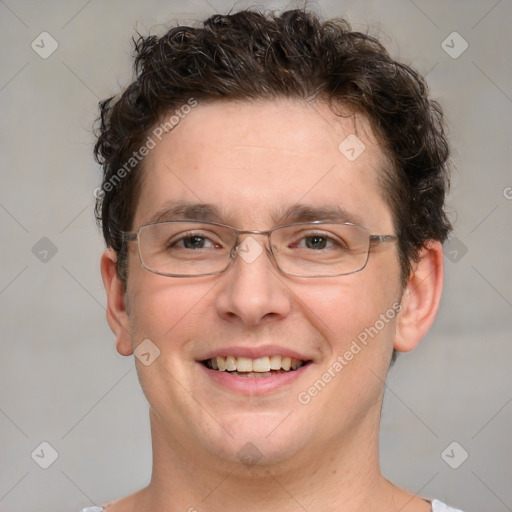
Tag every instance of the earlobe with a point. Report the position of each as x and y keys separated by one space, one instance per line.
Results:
x=421 y=297
x=117 y=314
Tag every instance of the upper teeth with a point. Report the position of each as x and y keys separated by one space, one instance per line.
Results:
x=261 y=364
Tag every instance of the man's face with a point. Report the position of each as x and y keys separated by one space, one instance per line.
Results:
x=253 y=161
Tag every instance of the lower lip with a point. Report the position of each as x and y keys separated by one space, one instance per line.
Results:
x=254 y=385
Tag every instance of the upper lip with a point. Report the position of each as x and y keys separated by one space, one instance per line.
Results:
x=254 y=352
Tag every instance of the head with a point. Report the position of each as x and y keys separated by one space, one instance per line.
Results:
x=246 y=112
x=248 y=56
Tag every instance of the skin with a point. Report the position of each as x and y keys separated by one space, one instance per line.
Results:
x=247 y=159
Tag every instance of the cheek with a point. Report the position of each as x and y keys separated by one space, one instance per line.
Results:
x=160 y=305
x=353 y=312
x=168 y=313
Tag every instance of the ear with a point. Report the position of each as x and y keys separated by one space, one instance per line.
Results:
x=421 y=297
x=117 y=314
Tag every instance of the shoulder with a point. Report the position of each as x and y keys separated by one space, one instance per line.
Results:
x=129 y=503
x=439 y=506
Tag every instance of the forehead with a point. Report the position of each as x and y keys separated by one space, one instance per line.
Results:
x=252 y=160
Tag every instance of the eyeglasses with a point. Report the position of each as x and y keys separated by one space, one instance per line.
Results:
x=190 y=248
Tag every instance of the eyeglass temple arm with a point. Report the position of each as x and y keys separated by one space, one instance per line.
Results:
x=129 y=237
x=382 y=238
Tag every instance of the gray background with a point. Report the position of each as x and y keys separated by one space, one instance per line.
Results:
x=61 y=380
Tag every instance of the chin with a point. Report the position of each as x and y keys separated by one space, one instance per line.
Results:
x=260 y=440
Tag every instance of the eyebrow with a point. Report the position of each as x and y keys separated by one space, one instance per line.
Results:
x=184 y=210
x=309 y=213
x=174 y=210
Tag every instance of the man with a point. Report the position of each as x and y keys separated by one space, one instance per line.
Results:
x=272 y=205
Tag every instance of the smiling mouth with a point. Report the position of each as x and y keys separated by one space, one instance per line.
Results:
x=254 y=368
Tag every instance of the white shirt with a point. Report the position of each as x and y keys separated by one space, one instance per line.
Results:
x=437 y=506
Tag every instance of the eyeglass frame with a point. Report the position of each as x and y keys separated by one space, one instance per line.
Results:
x=133 y=236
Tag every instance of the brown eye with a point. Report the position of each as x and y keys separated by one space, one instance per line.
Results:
x=194 y=242
x=316 y=242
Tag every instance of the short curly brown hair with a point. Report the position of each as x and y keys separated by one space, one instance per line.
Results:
x=252 y=55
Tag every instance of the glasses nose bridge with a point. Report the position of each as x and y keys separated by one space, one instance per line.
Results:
x=238 y=243
x=253 y=231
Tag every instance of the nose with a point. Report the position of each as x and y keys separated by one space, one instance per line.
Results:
x=252 y=290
